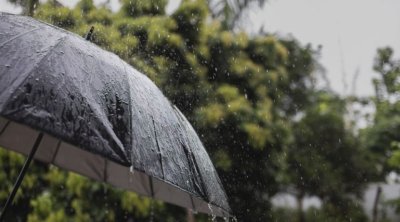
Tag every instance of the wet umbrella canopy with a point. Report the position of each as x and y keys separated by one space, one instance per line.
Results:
x=99 y=117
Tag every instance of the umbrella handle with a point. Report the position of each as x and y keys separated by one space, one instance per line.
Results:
x=21 y=176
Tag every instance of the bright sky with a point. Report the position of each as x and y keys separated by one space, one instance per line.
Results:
x=349 y=31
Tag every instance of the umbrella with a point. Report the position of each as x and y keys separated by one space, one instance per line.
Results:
x=85 y=110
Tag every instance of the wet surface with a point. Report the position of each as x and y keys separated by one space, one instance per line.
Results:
x=56 y=82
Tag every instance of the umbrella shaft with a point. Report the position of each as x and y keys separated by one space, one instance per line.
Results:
x=21 y=176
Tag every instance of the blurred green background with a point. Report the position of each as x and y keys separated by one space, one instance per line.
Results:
x=254 y=101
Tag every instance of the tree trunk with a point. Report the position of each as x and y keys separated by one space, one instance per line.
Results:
x=190 y=216
x=30 y=7
x=300 y=213
x=376 y=202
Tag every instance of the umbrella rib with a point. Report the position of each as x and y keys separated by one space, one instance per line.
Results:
x=18 y=36
x=105 y=176
x=191 y=200
x=203 y=189
x=4 y=128
x=130 y=109
x=192 y=157
x=151 y=186
x=56 y=152
x=158 y=147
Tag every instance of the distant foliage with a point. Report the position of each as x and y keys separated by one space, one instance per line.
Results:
x=28 y=6
x=230 y=12
x=383 y=137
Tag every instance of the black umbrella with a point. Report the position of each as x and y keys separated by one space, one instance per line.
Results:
x=86 y=110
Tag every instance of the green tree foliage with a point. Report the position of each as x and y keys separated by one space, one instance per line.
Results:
x=383 y=137
x=143 y=7
x=326 y=159
x=244 y=95
x=231 y=11
x=327 y=213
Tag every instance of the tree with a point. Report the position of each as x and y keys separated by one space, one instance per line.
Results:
x=28 y=6
x=230 y=12
x=326 y=159
x=382 y=137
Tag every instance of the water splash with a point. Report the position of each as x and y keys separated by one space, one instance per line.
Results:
x=213 y=216
x=194 y=211
x=151 y=210
x=131 y=173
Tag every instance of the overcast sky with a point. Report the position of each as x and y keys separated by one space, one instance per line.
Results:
x=349 y=32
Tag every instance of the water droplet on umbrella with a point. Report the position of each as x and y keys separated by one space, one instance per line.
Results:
x=151 y=210
x=131 y=174
x=213 y=216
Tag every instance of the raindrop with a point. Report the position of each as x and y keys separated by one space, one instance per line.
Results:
x=194 y=211
x=151 y=210
x=131 y=174
x=213 y=216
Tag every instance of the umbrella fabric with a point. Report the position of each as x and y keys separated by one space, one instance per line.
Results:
x=101 y=117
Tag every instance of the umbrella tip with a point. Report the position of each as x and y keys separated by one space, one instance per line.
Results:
x=89 y=34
